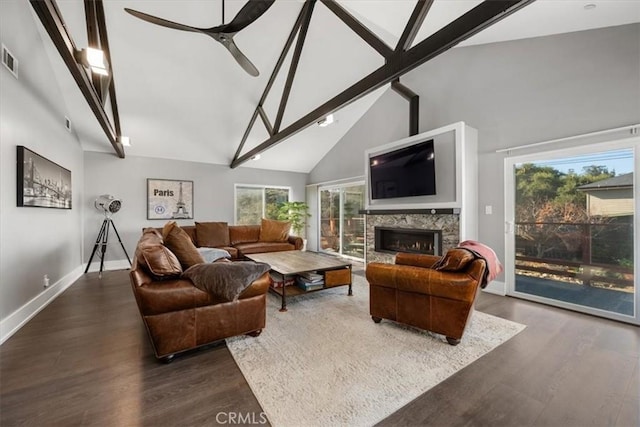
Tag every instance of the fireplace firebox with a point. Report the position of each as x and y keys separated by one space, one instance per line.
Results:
x=393 y=240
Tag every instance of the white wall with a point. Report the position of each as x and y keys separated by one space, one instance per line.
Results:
x=127 y=180
x=514 y=93
x=34 y=241
x=386 y=121
x=56 y=242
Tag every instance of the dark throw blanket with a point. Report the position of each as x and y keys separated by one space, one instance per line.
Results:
x=225 y=279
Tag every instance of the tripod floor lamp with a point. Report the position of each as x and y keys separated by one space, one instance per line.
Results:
x=108 y=205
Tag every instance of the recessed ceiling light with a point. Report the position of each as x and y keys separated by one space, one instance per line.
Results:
x=256 y=157
x=589 y=6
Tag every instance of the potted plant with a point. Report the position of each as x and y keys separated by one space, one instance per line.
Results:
x=296 y=213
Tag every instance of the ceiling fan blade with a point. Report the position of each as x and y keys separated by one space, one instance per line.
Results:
x=252 y=10
x=162 y=22
x=239 y=56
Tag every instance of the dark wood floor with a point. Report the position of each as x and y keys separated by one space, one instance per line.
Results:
x=86 y=360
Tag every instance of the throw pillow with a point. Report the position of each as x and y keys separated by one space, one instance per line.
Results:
x=274 y=231
x=160 y=261
x=150 y=234
x=244 y=234
x=212 y=234
x=454 y=260
x=225 y=279
x=179 y=242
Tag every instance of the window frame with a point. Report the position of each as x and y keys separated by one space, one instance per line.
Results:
x=340 y=187
x=633 y=144
x=255 y=186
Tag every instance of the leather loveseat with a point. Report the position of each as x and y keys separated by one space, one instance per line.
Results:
x=178 y=316
x=241 y=240
x=428 y=292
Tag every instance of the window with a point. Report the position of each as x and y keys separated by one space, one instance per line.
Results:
x=256 y=202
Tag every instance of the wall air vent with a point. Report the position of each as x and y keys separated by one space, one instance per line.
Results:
x=9 y=61
x=67 y=123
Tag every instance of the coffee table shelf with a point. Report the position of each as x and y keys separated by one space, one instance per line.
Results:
x=294 y=290
x=335 y=271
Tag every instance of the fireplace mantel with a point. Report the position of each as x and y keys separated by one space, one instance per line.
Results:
x=409 y=211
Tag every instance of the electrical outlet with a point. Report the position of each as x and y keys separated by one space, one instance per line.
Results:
x=45 y=280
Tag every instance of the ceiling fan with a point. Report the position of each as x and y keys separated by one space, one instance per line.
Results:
x=224 y=33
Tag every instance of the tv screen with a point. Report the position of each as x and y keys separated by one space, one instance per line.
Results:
x=406 y=172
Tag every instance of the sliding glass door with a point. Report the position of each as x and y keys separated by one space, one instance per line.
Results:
x=341 y=223
x=571 y=235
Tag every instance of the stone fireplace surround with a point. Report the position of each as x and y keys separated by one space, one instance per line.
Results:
x=443 y=219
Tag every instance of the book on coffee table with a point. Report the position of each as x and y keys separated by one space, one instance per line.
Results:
x=307 y=285
x=311 y=277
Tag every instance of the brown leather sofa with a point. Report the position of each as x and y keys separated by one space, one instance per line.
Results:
x=412 y=291
x=242 y=240
x=178 y=316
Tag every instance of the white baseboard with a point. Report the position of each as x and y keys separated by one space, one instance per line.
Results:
x=119 y=264
x=21 y=316
x=497 y=288
x=12 y=323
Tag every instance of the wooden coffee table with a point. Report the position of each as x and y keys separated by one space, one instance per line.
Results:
x=336 y=272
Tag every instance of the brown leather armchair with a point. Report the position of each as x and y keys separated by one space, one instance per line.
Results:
x=413 y=292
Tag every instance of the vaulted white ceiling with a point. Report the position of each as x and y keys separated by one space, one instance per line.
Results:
x=182 y=96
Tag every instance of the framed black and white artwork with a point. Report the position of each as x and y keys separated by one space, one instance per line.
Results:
x=169 y=199
x=41 y=182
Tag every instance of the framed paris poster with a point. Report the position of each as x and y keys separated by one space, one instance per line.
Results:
x=169 y=199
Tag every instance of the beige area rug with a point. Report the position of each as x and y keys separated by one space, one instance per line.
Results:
x=325 y=362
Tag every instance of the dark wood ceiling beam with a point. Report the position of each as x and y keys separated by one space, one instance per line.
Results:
x=104 y=43
x=246 y=134
x=272 y=78
x=265 y=120
x=93 y=39
x=413 y=25
x=302 y=35
x=401 y=89
x=53 y=23
x=414 y=105
x=482 y=16
x=357 y=27
x=283 y=54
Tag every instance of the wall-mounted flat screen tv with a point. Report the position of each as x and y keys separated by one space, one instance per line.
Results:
x=406 y=172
